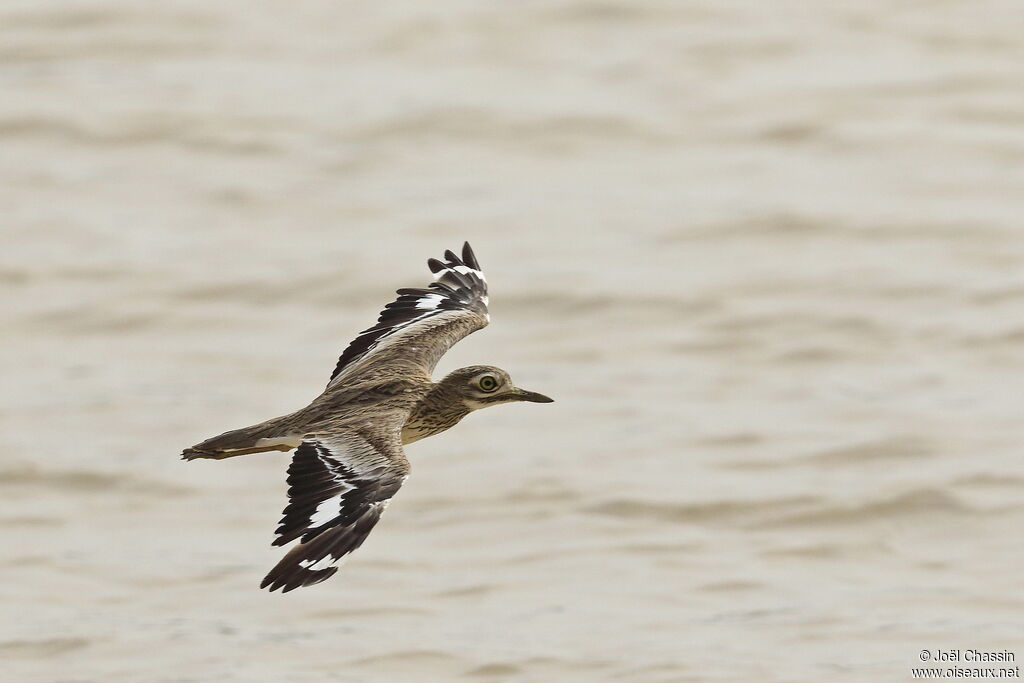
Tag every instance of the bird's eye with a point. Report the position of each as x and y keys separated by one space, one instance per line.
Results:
x=488 y=383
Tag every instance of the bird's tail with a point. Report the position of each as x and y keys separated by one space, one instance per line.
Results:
x=266 y=436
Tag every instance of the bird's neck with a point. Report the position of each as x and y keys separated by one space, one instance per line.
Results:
x=439 y=410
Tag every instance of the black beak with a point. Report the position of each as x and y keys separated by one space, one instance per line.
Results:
x=532 y=396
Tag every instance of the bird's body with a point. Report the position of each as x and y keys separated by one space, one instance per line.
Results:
x=349 y=460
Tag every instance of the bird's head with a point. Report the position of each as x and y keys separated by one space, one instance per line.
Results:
x=480 y=386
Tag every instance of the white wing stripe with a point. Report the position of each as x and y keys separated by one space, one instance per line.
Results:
x=327 y=510
x=429 y=302
x=463 y=270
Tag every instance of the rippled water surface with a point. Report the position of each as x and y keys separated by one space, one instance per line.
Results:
x=767 y=257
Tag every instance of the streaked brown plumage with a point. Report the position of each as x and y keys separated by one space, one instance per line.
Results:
x=348 y=461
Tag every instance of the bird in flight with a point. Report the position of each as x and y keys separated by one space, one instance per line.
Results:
x=348 y=461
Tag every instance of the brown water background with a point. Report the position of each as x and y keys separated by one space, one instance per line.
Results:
x=768 y=258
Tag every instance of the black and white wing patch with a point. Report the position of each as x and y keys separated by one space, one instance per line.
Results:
x=338 y=488
x=459 y=287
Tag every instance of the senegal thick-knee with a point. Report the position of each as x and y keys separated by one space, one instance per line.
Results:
x=348 y=461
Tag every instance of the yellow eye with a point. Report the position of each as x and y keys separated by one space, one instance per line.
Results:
x=488 y=383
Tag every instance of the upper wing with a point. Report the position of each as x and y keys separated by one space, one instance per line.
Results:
x=338 y=488
x=428 y=321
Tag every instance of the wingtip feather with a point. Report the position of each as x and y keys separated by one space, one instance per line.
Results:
x=468 y=257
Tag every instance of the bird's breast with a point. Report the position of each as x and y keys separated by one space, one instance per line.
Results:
x=425 y=421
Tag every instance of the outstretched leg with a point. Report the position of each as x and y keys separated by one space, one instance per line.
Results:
x=194 y=454
x=267 y=436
